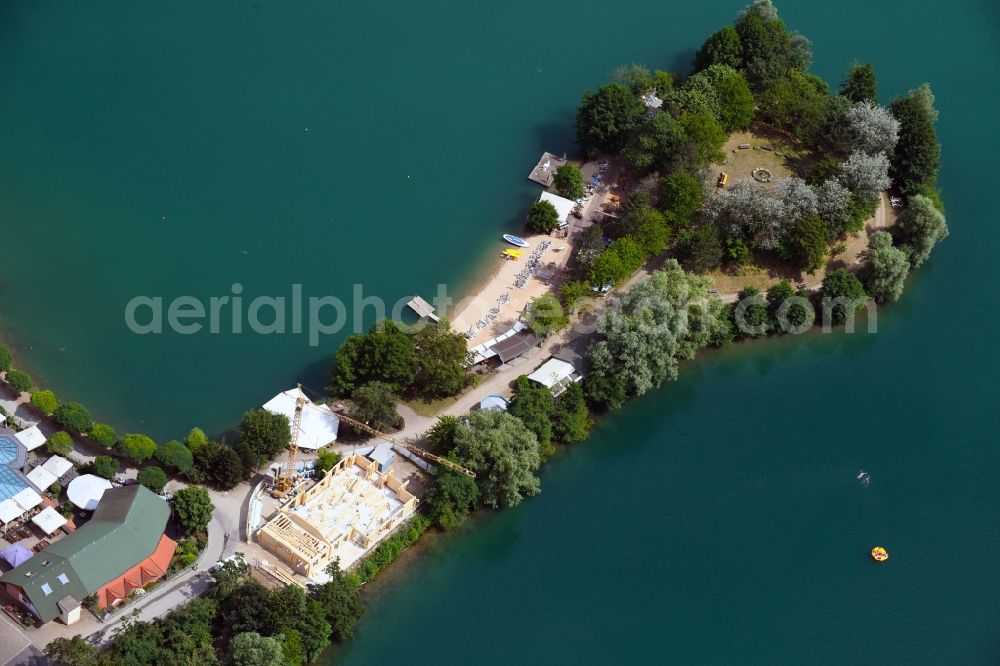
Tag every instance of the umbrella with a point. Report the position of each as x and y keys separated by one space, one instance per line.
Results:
x=16 y=554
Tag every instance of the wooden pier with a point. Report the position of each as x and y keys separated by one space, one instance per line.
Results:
x=422 y=308
x=545 y=170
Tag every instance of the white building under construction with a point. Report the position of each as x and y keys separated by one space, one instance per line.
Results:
x=343 y=516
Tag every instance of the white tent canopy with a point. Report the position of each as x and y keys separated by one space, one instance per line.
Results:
x=27 y=499
x=86 y=491
x=49 y=520
x=41 y=478
x=493 y=403
x=10 y=511
x=564 y=207
x=31 y=438
x=57 y=465
x=319 y=424
x=554 y=375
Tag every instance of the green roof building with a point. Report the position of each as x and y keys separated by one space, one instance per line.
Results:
x=121 y=549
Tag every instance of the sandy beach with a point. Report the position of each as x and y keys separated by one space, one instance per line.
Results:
x=489 y=293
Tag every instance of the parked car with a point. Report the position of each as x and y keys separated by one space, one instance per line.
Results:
x=897 y=202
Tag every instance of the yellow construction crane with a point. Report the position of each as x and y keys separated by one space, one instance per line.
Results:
x=286 y=479
x=450 y=464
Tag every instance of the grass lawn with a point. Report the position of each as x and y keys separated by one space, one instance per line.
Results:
x=425 y=407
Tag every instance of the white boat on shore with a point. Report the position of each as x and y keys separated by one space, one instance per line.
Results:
x=515 y=240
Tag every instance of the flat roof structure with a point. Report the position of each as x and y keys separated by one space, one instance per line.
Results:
x=31 y=438
x=49 y=520
x=422 y=308
x=516 y=345
x=319 y=426
x=545 y=170
x=87 y=490
x=10 y=511
x=555 y=375
x=341 y=517
x=42 y=478
x=58 y=466
x=564 y=207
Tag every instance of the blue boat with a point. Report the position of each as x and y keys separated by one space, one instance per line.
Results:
x=515 y=240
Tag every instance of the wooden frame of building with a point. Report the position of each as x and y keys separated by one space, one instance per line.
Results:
x=341 y=517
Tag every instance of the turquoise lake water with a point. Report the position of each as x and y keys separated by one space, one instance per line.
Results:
x=161 y=149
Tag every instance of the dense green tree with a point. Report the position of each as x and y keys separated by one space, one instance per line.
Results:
x=572 y=295
x=385 y=353
x=6 y=358
x=721 y=48
x=339 y=600
x=45 y=401
x=705 y=137
x=656 y=143
x=192 y=509
x=645 y=331
x=651 y=232
x=859 y=83
x=325 y=460
x=74 y=651
x=291 y=647
x=545 y=316
x=606 y=119
x=503 y=453
x=441 y=436
x=153 y=478
x=568 y=181
x=807 y=243
x=917 y=156
x=19 y=381
x=136 y=643
x=681 y=194
x=883 y=268
x=442 y=361
x=137 y=447
x=103 y=466
x=227 y=468
x=532 y=403
x=195 y=439
x=246 y=608
x=175 y=456
x=450 y=498
x=59 y=444
x=570 y=416
x=769 y=50
x=228 y=576
x=375 y=404
x=251 y=649
x=266 y=432
x=607 y=269
x=543 y=218
x=73 y=416
x=843 y=295
x=736 y=103
x=798 y=103
x=700 y=249
x=788 y=310
x=248 y=458
x=103 y=434
x=919 y=229
x=751 y=313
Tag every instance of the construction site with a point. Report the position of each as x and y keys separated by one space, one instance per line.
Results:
x=307 y=519
x=342 y=516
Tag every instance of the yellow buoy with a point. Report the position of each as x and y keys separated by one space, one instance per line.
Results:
x=880 y=554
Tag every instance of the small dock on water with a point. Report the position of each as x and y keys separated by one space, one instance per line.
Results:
x=545 y=170
x=423 y=308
